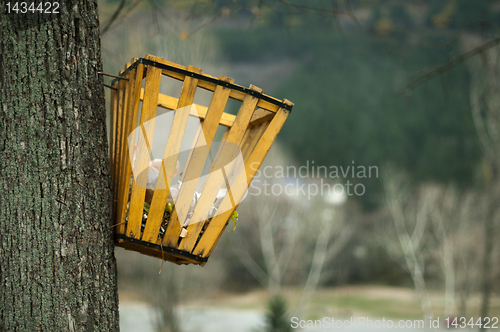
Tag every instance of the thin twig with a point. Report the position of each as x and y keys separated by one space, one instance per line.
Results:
x=456 y=35
x=110 y=75
x=336 y=16
x=109 y=86
x=125 y=15
x=116 y=225
x=275 y=9
x=318 y=9
x=113 y=17
x=173 y=26
x=351 y=14
x=204 y=25
x=449 y=65
x=155 y=16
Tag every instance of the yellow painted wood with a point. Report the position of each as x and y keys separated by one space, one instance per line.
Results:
x=112 y=139
x=119 y=120
x=124 y=180
x=174 y=143
x=234 y=94
x=214 y=230
x=196 y=163
x=126 y=121
x=170 y=103
x=124 y=172
x=197 y=134
x=215 y=180
x=251 y=140
x=128 y=112
x=143 y=156
x=119 y=127
x=221 y=146
x=260 y=116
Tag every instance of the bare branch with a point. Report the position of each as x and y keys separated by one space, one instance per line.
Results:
x=129 y=10
x=318 y=12
x=250 y=264
x=155 y=15
x=113 y=17
x=351 y=14
x=312 y=8
x=341 y=241
x=318 y=261
x=394 y=188
x=336 y=16
x=449 y=65
x=215 y=18
x=274 y=8
x=458 y=33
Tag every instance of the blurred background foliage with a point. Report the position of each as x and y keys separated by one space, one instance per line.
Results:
x=345 y=83
x=347 y=73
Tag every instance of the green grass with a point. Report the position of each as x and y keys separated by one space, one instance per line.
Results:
x=373 y=307
x=351 y=301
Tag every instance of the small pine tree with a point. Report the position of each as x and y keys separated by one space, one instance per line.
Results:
x=276 y=319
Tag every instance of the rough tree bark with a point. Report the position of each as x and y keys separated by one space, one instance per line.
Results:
x=57 y=265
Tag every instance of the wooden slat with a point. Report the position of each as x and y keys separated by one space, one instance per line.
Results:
x=112 y=139
x=223 y=140
x=226 y=133
x=214 y=230
x=252 y=138
x=173 y=147
x=261 y=116
x=234 y=94
x=125 y=173
x=126 y=122
x=119 y=128
x=215 y=181
x=196 y=164
x=199 y=131
x=143 y=156
x=118 y=132
x=170 y=103
x=117 y=120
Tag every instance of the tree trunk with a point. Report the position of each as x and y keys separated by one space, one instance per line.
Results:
x=57 y=265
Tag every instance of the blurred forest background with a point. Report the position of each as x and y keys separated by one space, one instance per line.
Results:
x=411 y=87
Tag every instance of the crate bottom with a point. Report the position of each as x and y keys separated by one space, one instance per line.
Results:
x=169 y=254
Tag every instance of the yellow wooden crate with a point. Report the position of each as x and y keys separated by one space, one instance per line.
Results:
x=135 y=99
